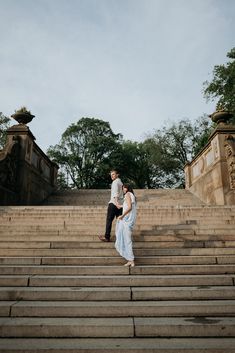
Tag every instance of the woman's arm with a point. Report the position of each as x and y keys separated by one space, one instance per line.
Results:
x=129 y=205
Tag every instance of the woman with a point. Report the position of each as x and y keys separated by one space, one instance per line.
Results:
x=124 y=226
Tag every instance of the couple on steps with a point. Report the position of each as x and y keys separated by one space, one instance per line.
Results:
x=125 y=214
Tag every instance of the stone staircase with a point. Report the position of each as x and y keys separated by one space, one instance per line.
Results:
x=62 y=290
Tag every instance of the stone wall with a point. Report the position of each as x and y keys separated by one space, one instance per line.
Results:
x=27 y=175
x=211 y=174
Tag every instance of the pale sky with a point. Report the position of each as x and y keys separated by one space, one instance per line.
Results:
x=134 y=63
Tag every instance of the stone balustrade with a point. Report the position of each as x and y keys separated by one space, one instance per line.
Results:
x=211 y=174
x=27 y=175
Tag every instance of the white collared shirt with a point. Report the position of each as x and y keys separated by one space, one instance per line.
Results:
x=116 y=191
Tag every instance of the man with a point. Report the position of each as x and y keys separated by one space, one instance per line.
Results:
x=114 y=206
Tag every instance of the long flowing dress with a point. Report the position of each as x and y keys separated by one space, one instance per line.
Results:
x=124 y=229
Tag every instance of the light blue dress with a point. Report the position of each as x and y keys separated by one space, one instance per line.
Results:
x=124 y=229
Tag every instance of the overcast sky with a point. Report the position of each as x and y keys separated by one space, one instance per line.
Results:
x=134 y=63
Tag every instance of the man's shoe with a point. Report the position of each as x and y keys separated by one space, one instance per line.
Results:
x=103 y=238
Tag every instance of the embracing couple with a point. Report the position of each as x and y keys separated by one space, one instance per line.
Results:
x=125 y=212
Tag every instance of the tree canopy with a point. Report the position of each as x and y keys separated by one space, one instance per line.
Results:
x=171 y=147
x=85 y=152
x=4 y=124
x=89 y=149
x=222 y=86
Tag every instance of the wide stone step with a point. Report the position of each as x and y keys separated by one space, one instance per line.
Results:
x=117 y=260
x=144 y=216
x=100 y=245
x=148 y=260
x=63 y=270
x=137 y=238
x=182 y=293
x=95 y=245
x=185 y=327
x=99 y=221
x=118 y=293
x=115 y=281
x=71 y=270
x=93 y=233
x=118 y=308
x=112 y=252
x=118 y=327
x=145 y=280
x=186 y=211
x=118 y=345
x=68 y=293
x=68 y=327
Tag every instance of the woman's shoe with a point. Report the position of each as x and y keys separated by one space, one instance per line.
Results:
x=130 y=263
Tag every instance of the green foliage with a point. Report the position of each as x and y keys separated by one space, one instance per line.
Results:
x=171 y=147
x=4 y=124
x=134 y=164
x=23 y=110
x=86 y=152
x=89 y=150
x=222 y=86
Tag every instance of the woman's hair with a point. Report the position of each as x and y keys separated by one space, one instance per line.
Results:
x=130 y=189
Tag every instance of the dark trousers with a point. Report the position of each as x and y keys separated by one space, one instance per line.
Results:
x=112 y=212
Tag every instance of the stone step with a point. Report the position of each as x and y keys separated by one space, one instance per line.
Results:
x=11 y=244
x=118 y=345
x=144 y=260
x=181 y=293
x=117 y=280
x=118 y=293
x=157 y=223
x=64 y=270
x=186 y=210
x=144 y=214
x=184 y=213
x=118 y=327
x=185 y=327
x=59 y=222
x=101 y=261
x=137 y=238
x=181 y=210
x=112 y=252
x=70 y=293
x=71 y=270
x=137 y=280
x=68 y=327
x=95 y=232
x=80 y=219
x=118 y=308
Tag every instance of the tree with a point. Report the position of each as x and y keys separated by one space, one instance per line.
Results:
x=222 y=86
x=134 y=164
x=172 y=147
x=4 y=124
x=87 y=152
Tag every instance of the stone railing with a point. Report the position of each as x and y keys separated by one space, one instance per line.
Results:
x=211 y=174
x=27 y=175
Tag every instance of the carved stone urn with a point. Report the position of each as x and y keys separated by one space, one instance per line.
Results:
x=23 y=116
x=221 y=116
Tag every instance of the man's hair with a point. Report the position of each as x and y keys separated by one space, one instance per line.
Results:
x=115 y=171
